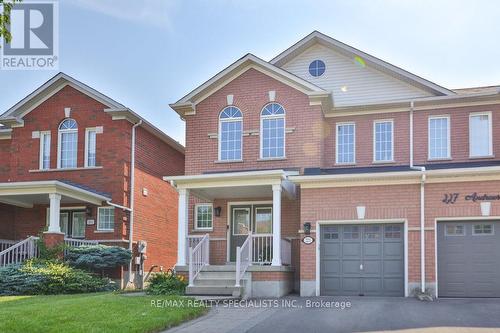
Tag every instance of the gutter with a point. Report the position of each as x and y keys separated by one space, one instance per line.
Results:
x=422 y=203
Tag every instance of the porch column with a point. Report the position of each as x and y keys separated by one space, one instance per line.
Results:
x=55 y=205
x=276 y=225
x=182 y=227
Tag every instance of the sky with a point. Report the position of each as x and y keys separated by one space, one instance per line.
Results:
x=146 y=54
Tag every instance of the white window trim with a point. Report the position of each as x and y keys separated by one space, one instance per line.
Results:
x=196 y=217
x=455 y=235
x=262 y=132
x=59 y=135
x=87 y=130
x=337 y=125
x=375 y=140
x=490 y=133
x=220 y=135
x=42 y=134
x=97 y=225
x=476 y=234
x=448 y=156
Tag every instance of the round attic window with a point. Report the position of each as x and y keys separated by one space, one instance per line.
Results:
x=317 y=68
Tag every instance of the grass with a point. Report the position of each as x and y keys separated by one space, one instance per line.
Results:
x=101 y=312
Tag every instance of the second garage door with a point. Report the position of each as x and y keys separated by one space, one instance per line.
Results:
x=468 y=259
x=365 y=260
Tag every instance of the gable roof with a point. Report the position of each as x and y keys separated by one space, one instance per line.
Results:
x=349 y=51
x=187 y=104
x=13 y=117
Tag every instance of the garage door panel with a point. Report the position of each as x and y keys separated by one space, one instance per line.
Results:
x=351 y=250
x=363 y=260
x=468 y=263
x=372 y=250
x=331 y=266
x=332 y=250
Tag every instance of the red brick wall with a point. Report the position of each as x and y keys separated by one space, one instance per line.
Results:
x=459 y=119
x=364 y=138
x=155 y=217
x=250 y=90
x=393 y=202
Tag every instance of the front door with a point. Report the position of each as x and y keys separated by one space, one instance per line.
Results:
x=255 y=218
x=78 y=225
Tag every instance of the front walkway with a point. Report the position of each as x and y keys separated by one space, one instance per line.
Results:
x=295 y=314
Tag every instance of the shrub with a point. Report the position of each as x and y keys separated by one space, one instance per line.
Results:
x=167 y=283
x=97 y=258
x=49 y=277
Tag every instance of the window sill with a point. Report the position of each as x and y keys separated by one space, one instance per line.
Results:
x=345 y=164
x=481 y=157
x=439 y=159
x=272 y=159
x=103 y=231
x=202 y=230
x=66 y=169
x=231 y=161
x=384 y=162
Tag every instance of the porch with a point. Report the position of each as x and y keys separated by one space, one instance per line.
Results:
x=28 y=208
x=235 y=228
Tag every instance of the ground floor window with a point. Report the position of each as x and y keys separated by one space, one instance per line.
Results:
x=203 y=217
x=105 y=218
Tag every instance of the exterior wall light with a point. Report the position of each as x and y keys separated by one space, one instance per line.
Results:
x=307 y=228
x=217 y=211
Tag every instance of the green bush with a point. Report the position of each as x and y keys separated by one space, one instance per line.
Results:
x=97 y=258
x=49 y=277
x=167 y=283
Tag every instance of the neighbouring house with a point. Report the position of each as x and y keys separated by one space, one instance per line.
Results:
x=331 y=172
x=86 y=169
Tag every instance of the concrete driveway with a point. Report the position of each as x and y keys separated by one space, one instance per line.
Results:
x=353 y=314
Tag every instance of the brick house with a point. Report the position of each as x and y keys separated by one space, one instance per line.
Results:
x=331 y=172
x=80 y=166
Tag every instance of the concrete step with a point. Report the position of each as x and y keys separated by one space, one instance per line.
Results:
x=220 y=268
x=203 y=281
x=217 y=275
x=214 y=290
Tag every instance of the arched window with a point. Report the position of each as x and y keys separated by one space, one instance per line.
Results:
x=230 y=134
x=272 y=131
x=67 y=144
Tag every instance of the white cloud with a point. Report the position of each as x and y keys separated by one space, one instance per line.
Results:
x=151 y=12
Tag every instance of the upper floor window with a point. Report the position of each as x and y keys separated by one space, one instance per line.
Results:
x=90 y=147
x=67 y=144
x=346 y=141
x=439 y=137
x=480 y=135
x=383 y=141
x=44 y=150
x=231 y=132
x=317 y=68
x=272 y=131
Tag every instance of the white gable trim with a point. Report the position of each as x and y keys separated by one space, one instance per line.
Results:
x=187 y=104
x=399 y=73
x=51 y=87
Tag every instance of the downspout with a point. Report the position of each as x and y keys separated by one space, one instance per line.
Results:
x=422 y=204
x=132 y=193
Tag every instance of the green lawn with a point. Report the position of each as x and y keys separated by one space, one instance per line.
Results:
x=102 y=312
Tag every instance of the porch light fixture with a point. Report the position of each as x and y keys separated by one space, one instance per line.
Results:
x=307 y=228
x=88 y=211
x=217 y=211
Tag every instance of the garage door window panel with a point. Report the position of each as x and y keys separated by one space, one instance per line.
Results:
x=454 y=230
x=483 y=230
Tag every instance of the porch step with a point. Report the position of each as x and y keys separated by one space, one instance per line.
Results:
x=217 y=275
x=206 y=281
x=214 y=290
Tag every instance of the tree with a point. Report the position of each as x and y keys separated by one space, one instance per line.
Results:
x=5 y=18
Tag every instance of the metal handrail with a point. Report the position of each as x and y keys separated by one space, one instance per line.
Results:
x=198 y=258
x=244 y=258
